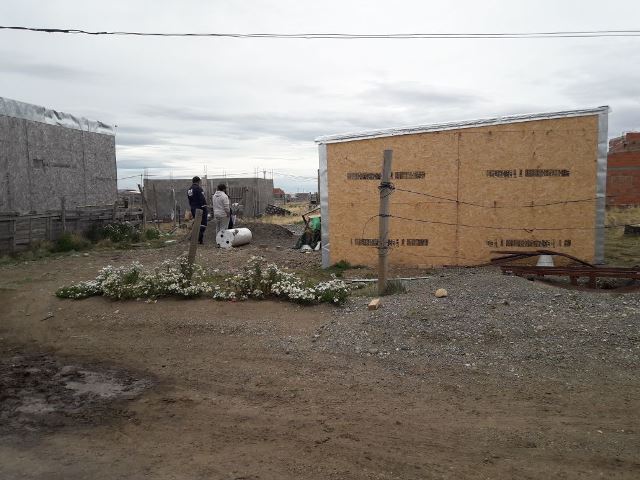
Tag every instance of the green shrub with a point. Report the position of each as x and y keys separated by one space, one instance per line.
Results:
x=69 y=242
x=121 y=233
x=342 y=265
x=151 y=234
x=94 y=233
x=115 y=232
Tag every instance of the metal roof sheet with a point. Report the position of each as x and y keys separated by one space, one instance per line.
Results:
x=437 y=127
x=35 y=113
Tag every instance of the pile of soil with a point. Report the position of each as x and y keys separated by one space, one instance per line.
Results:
x=269 y=234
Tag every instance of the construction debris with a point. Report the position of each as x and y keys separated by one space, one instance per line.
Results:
x=374 y=304
x=574 y=273
x=509 y=256
x=275 y=210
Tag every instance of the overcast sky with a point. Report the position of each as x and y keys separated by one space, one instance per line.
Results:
x=235 y=105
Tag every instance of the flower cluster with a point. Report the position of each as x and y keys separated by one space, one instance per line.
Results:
x=121 y=232
x=178 y=277
x=80 y=290
x=260 y=280
x=172 y=277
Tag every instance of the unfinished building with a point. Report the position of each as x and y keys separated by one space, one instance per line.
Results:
x=168 y=197
x=465 y=189
x=623 y=171
x=46 y=155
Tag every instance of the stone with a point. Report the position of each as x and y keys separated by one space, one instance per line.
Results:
x=374 y=304
x=441 y=293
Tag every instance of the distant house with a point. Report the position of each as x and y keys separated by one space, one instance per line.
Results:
x=278 y=194
x=623 y=170
x=302 y=197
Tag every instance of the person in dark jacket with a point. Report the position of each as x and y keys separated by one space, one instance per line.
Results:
x=196 y=197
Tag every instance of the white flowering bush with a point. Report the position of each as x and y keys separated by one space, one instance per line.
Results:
x=80 y=290
x=173 y=277
x=258 y=280
x=261 y=280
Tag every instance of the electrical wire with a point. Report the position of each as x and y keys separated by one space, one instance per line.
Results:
x=343 y=36
x=461 y=202
x=299 y=177
x=529 y=229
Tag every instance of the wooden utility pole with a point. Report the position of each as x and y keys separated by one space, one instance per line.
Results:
x=193 y=247
x=383 y=234
x=175 y=210
x=144 y=209
x=155 y=199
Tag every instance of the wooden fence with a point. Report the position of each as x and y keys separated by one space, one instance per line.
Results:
x=17 y=232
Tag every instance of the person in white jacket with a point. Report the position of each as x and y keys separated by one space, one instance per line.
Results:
x=221 y=209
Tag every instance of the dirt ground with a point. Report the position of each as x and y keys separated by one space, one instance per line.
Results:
x=198 y=389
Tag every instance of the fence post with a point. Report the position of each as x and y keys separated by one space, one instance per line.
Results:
x=155 y=200
x=14 y=229
x=195 y=231
x=63 y=213
x=175 y=210
x=383 y=232
x=144 y=209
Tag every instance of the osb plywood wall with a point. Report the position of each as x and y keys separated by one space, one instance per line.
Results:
x=485 y=178
x=41 y=163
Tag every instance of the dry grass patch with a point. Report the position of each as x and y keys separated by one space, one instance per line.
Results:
x=620 y=249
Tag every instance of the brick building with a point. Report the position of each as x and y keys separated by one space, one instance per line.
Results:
x=623 y=170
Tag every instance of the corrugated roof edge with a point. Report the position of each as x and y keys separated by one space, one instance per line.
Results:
x=438 y=127
x=36 y=113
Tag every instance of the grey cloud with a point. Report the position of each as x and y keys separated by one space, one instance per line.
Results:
x=242 y=126
x=165 y=135
x=416 y=93
x=603 y=89
x=294 y=127
x=43 y=70
x=624 y=118
x=140 y=163
x=135 y=140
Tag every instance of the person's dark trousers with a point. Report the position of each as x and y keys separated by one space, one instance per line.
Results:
x=203 y=223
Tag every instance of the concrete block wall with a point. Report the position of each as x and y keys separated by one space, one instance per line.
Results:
x=253 y=193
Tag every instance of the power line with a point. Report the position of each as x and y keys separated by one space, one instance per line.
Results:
x=490 y=227
x=298 y=177
x=533 y=205
x=343 y=36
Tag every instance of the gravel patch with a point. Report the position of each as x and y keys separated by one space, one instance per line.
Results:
x=493 y=322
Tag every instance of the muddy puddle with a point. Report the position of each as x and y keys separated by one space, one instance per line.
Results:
x=42 y=392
